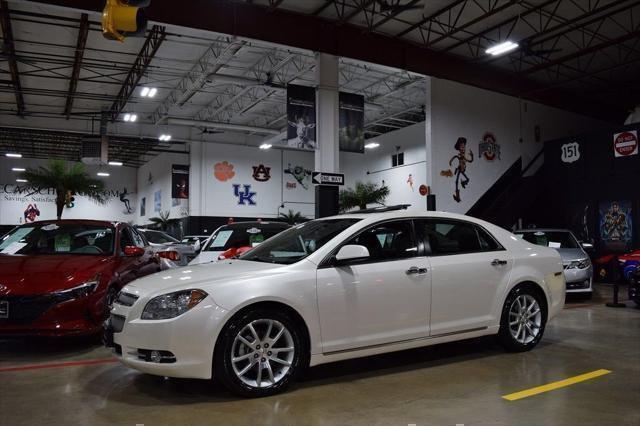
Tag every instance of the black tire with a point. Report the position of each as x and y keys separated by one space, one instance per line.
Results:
x=505 y=336
x=222 y=365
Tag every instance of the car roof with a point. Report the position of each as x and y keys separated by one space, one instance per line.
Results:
x=71 y=221
x=256 y=223
x=400 y=214
x=543 y=230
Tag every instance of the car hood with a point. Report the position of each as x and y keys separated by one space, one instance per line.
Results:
x=203 y=276
x=206 y=257
x=35 y=275
x=569 y=255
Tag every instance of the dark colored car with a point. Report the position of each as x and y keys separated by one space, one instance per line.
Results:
x=59 y=277
x=634 y=285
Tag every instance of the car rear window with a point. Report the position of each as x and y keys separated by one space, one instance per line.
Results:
x=242 y=236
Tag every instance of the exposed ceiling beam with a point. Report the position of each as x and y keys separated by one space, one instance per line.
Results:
x=149 y=48
x=77 y=63
x=391 y=15
x=10 y=52
x=321 y=9
x=430 y=17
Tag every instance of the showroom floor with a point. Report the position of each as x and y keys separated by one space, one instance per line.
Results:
x=461 y=383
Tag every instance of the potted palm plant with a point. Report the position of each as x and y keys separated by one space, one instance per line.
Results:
x=66 y=178
x=363 y=194
x=292 y=217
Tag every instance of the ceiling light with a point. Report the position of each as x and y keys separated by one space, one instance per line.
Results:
x=152 y=92
x=501 y=48
x=18 y=169
x=22 y=180
x=144 y=92
x=163 y=137
x=372 y=145
x=13 y=155
x=130 y=117
x=103 y=174
x=133 y=117
x=115 y=163
x=265 y=146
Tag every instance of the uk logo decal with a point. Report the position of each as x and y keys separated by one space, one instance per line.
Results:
x=261 y=173
x=245 y=198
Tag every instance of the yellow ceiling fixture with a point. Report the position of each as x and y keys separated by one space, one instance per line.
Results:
x=124 y=18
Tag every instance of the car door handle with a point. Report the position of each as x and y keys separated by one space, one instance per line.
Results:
x=498 y=262
x=414 y=270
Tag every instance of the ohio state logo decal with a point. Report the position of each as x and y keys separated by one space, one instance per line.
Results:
x=261 y=173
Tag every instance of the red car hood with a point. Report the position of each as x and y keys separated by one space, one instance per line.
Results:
x=33 y=275
x=634 y=255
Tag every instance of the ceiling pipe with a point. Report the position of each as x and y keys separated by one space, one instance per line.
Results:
x=223 y=126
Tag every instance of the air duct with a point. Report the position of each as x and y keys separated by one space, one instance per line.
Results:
x=222 y=126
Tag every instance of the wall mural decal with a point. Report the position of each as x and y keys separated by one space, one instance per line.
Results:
x=261 y=173
x=31 y=213
x=143 y=206
x=461 y=167
x=223 y=171
x=570 y=152
x=127 y=204
x=616 y=225
x=625 y=143
x=424 y=190
x=300 y=174
x=410 y=181
x=157 y=201
x=246 y=196
x=489 y=147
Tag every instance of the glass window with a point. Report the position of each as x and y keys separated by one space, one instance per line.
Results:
x=298 y=242
x=54 y=238
x=158 y=237
x=388 y=241
x=452 y=237
x=553 y=239
x=243 y=235
x=137 y=238
x=487 y=242
x=125 y=239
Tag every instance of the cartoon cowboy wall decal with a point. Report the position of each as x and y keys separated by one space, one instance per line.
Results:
x=461 y=168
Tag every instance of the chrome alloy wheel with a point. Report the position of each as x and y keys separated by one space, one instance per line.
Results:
x=262 y=353
x=525 y=319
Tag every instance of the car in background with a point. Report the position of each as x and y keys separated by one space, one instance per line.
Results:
x=60 y=277
x=634 y=285
x=195 y=240
x=628 y=263
x=578 y=270
x=174 y=254
x=227 y=240
x=337 y=288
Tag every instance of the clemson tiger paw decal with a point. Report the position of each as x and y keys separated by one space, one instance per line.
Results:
x=223 y=171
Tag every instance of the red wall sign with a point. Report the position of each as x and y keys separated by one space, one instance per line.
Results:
x=625 y=143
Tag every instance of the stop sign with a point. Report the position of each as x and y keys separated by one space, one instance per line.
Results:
x=625 y=143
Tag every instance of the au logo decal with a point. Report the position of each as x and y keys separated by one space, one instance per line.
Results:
x=261 y=173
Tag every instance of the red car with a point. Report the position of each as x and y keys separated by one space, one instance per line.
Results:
x=60 y=277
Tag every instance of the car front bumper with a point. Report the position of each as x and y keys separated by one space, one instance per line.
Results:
x=579 y=280
x=186 y=342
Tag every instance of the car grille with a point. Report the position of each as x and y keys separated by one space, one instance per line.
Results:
x=578 y=285
x=26 y=309
x=117 y=322
x=126 y=299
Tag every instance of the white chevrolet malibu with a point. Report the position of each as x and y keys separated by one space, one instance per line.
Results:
x=336 y=288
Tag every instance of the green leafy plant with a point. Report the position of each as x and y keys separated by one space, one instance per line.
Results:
x=162 y=220
x=363 y=194
x=66 y=178
x=292 y=217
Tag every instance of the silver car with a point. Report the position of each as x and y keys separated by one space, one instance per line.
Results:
x=162 y=243
x=578 y=271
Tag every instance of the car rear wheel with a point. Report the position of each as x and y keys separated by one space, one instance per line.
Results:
x=523 y=319
x=259 y=353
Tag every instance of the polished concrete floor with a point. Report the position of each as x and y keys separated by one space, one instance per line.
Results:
x=460 y=383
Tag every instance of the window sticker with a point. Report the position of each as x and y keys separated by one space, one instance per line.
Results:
x=553 y=244
x=12 y=248
x=221 y=238
x=50 y=227
x=62 y=243
x=254 y=230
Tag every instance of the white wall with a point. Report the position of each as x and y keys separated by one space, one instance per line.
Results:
x=15 y=197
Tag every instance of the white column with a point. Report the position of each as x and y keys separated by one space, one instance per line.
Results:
x=327 y=119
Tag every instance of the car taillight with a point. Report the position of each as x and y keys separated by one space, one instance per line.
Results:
x=169 y=254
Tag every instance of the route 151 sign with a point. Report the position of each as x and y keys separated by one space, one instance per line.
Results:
x=570 y=152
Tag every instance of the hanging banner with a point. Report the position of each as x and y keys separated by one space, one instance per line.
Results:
x=301 y=117
x=351 y=122
x=616 y=225
x=179 y=181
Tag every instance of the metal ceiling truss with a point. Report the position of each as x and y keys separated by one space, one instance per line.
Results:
x=77 y=63
x=151 y=45
x=10 y=52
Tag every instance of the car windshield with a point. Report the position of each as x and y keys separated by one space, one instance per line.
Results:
x=240 y=235
x=157 y=237
x=553 y=239
x=59 y=238
x=298 y=242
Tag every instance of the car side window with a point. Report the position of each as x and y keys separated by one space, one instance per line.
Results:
x=487 y=242
x=125 y=239
x=388 y=241
x=453 y=237
x=137 y=238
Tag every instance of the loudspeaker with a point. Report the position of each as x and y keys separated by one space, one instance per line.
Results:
x=431 y=202
x=326 y=200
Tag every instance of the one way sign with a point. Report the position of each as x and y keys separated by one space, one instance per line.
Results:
x=321 y=178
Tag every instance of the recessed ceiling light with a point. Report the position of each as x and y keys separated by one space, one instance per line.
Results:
x=22 y=180
x=13 y=155
x=265 y=146
x=163 y=137
x=103 y=174
x=372 y=145
x=144 y=92
x=115 y=163
x=501 y=48
x=18 y=169
x=152 y=92
x=130 y=117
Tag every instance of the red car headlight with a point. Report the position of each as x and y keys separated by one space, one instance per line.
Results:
x=80 y=291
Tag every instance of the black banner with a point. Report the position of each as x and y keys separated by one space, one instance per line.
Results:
x=301 y=117
x=179 y=181
x=351 y=122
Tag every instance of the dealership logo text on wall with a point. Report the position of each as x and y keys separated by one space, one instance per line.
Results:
x=570 y=152
x=489 y=148
x=625 y=143
x=261 y=173
x=245 y=197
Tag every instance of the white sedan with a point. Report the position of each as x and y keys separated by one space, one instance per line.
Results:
x=336 y=288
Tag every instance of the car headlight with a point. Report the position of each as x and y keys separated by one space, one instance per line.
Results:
x=172 y=305
x=80 y=291
x=584 y=263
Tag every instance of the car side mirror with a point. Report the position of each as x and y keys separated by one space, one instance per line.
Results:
x=352 y=252
x=133 y=251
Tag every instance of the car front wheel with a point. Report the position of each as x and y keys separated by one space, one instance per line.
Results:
x=259 y=353
x=523 y=320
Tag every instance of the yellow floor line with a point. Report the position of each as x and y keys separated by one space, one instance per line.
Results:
x=555 y=385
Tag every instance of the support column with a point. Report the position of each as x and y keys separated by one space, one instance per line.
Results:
x=431 y=170
x=327 y=156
